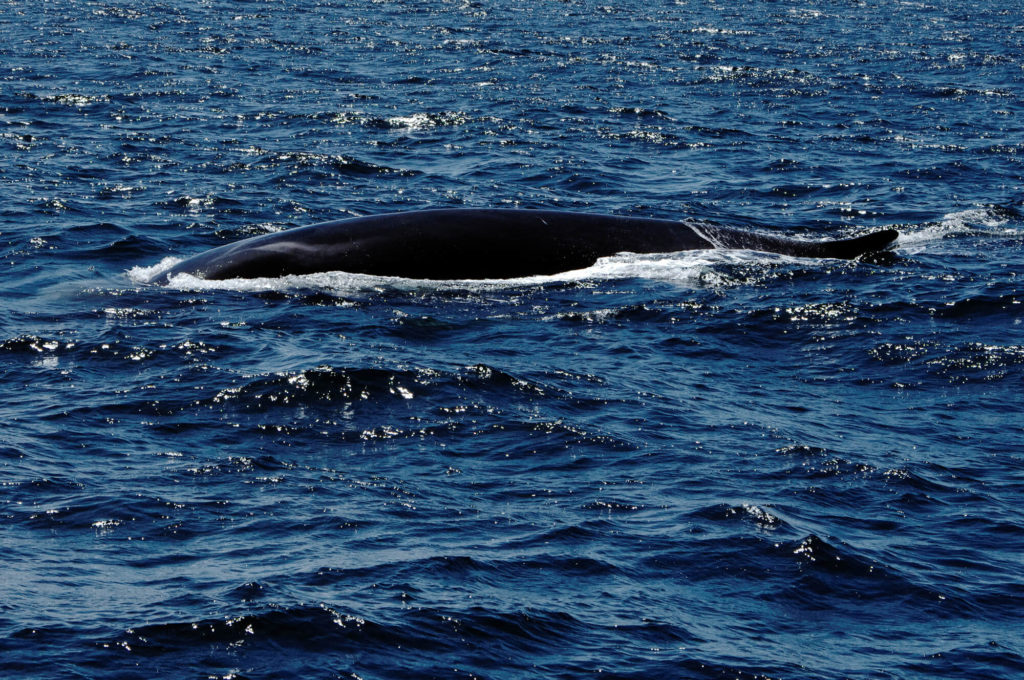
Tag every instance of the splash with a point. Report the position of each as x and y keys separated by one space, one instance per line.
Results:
x=973 y=221
x=692 y=267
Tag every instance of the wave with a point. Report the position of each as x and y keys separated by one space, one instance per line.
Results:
x=989 y=221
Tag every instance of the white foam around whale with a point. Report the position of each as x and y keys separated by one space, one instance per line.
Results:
x=697 y=267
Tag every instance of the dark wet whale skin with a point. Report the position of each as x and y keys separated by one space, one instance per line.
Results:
x=485 y=244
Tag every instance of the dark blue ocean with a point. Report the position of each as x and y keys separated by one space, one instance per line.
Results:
x=713 y=464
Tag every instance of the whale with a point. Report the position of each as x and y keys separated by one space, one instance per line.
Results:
x=488 y=243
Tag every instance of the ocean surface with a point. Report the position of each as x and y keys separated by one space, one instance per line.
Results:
x=713 y=464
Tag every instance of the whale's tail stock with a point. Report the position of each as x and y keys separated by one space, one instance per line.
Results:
x=843 y=249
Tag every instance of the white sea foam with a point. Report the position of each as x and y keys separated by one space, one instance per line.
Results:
x=970 y=221
x=142 y=274
x=695 y=267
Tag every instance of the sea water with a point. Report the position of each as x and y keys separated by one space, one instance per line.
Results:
x=694 y=465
